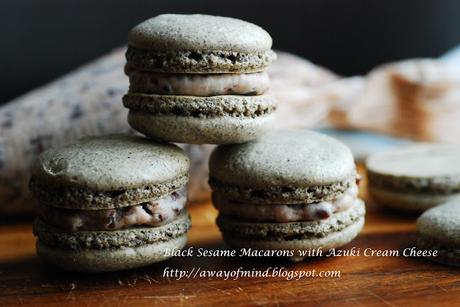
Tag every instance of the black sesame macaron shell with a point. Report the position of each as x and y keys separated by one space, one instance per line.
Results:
x=107 y=251
x=414 y=178
x=108 y=172
x=438 y=229
x=177 y=43
x=286 y=166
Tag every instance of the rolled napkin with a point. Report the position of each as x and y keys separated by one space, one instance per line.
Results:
x=84 y=102
x=418 y=99
x=297 y=85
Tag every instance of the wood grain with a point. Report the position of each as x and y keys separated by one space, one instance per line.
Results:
x=391 y=281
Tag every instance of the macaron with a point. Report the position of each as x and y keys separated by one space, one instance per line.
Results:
x=416 y=177
x=199 y=79
x=288 y=190
x=438 y=230
x=110 y=203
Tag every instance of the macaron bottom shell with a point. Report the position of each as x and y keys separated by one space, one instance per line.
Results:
x=416 y=177
x=406 y=201
x=336 y=231
x=332 y=240
x=109 y=260
x=106 y=251
x=195 y=130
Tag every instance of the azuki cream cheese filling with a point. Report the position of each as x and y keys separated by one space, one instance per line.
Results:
x=198 y=84
x=155 y=213
x=287 y=213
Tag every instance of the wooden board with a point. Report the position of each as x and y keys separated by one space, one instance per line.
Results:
x=392 y=281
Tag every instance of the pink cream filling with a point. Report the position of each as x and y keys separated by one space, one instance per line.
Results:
x=198 y=84
x=154 y=213
x=287 y=213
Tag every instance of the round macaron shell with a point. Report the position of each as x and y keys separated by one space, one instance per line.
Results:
x=418 y=161
x=93 y=261
x=415 y=202
x=198 y=33
x=283 y=158
x=111 y=163
x=416 y=177
x=441 y=224
x=198 y=44
x=104 y=251
x=333 y=240
x=195 y=130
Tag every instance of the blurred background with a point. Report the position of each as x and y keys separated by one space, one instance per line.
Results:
x=41 y=40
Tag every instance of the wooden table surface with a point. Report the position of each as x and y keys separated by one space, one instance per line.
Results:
x=392 y=281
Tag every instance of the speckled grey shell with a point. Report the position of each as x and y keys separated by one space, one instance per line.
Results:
x=105 y=251
x=199 y=32
x=111 y=163
x=202 y=107
x=283 y=158
x=417 y=168
x=200 y=130
x=441 y=224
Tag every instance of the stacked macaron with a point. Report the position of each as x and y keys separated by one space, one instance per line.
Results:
x=110 y=203
x=288 y=190
x=415 y=178
x=118 y=202
x=199 y=79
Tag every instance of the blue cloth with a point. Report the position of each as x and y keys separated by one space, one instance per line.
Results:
x=363 y=143
x=452 y=57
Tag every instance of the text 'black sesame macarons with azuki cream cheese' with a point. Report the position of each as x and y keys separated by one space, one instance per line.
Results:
x=288 y=190
x=110 y=203
x=199 y=79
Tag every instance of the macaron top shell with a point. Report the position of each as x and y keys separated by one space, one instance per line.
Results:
x=111 y=163
x=283 y=158
x=199 y=33
x=418 y=161
x=442 y=223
